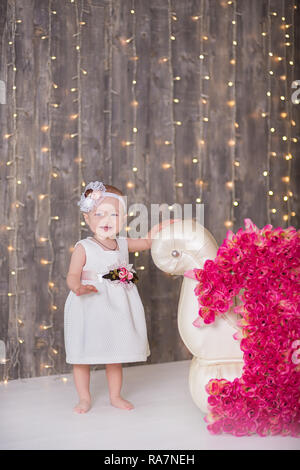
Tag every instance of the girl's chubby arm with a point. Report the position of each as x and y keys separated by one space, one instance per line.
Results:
x=140 y=244
x=77 y=262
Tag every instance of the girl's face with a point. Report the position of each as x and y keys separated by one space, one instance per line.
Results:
x=107 y=218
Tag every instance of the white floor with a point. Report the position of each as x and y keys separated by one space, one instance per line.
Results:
x=37 y=414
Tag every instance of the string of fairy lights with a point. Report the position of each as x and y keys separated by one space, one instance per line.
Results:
x=203 y=99
x=134 y=59
x=47 y=336
x=15 y=340
x=268 y=112
x=108 y=159
x=132 y=143
x=77 y=100
x=288 y=31
x=273 y=64
x=166 y=165
x=231 y=102
x=204 y=111
x=41 y=341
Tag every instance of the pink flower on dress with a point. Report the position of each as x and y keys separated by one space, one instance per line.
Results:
x=123 y=273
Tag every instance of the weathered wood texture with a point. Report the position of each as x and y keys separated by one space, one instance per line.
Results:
x=191 y=92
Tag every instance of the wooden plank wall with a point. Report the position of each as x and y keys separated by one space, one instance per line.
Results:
x=192 y=77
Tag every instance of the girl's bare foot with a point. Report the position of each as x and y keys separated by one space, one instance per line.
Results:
x=83 y=405
x=119 y=402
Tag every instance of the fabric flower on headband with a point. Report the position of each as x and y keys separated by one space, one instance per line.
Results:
x=96 y=191
x=86 y=204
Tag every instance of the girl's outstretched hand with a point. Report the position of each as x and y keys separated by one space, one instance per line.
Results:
x=85 y=289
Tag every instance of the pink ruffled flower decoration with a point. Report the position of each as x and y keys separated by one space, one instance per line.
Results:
x=123 y=273
x=265 y=264
x=97 y=194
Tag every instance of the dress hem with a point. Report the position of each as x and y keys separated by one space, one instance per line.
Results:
x=108 y=361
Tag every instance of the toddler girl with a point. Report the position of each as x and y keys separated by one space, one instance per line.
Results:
x=104 y=318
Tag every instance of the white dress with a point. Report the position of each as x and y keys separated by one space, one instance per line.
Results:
x=107 y=326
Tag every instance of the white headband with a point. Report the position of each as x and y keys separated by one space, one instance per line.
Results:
x=86 y=204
